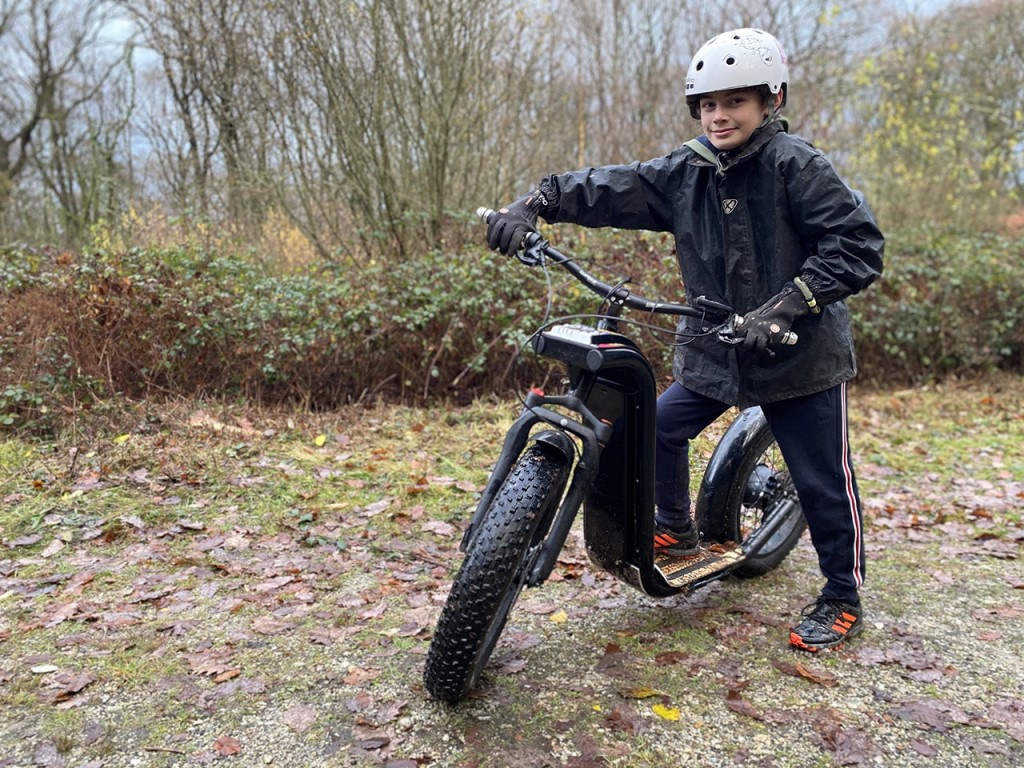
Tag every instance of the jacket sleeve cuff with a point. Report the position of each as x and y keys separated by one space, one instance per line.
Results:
x=549 y=195
x=804 y=286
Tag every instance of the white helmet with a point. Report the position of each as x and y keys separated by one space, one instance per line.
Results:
x=743 y=58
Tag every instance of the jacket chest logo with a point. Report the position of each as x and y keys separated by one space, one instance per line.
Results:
x=729 y=205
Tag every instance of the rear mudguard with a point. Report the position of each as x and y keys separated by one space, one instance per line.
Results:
x=722 y=475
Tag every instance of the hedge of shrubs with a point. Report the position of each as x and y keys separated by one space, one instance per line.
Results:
x=81 y=327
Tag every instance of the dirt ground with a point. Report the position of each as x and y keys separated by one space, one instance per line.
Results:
x=201 y=638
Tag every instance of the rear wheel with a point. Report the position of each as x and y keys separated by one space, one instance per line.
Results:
x=494 y=572
x=765 y=491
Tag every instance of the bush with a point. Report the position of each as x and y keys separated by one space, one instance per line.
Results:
x=183 y=322
x=948 y=304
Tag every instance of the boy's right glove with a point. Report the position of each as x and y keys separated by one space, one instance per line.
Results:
x=767 y=324
x=511 y=223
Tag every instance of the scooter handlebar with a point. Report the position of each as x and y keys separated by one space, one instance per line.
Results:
x=534 y=246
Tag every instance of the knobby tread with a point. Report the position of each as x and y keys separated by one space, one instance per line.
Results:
x=490 y=577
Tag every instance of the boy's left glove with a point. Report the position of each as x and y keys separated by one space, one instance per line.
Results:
x=767 y=324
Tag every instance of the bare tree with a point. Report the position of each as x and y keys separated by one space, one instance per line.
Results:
x=378 y=125
x=631 y=57
x=631 y=71
x=211 y=66
x=54 y=73
x=391 y=115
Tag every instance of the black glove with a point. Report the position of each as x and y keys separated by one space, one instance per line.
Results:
x=510 y=224
x=769 y=323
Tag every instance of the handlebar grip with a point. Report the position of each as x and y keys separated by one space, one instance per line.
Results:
x=530 y=239
x=789 y=338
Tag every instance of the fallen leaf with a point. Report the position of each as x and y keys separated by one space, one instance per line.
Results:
x=930 y=715
x=357 y=676
x=615 y=663
x=226 y=675
x=362 y=702
x=299 y=718
x=27 y=541
x=376 y=507
x=273 y=584
x=735 y=701
x=640 y=693
x=52 y=548
x=328 y=635
x=63 y=685
x=852 y=747
x=625 y=718
x=820 y=677
x=211 y=662
x=78 y=582
x=440 y=527
x=509 y=666
x=391 y=712
x=269 y=625
x=666 y=712
x=226 y=746
x=672 y=657
x=62 y=613
x=922 y=748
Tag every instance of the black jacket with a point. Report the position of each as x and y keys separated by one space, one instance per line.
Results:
x=743 y=227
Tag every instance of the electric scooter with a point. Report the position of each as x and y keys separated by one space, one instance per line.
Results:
x=591 y=446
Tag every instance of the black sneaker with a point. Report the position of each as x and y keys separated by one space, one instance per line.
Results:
x=827 y=624
x=676 y=543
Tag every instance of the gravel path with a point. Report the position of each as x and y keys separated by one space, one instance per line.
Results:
x=590 y=673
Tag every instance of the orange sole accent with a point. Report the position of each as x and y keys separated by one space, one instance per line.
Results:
x=796 y=641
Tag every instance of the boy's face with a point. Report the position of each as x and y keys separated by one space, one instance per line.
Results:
x=729 y=118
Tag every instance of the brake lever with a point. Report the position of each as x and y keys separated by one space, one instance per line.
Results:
x=728 y=332
x=531 y=251
x=731 y=333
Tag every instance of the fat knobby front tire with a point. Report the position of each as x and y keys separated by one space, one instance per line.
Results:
x=493 y=573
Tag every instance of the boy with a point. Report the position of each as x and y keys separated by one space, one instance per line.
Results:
x=762 y=223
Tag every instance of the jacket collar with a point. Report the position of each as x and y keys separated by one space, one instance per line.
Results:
x=725 y=160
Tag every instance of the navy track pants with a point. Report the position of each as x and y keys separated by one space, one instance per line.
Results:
x=812 y=432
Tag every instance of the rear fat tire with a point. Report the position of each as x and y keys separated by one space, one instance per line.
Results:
x=493 y=573
x=743 y=520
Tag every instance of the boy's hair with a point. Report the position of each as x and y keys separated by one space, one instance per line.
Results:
x=763 y=91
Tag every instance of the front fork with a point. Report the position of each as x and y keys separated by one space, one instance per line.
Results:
x=591 y=432
x=609 y=414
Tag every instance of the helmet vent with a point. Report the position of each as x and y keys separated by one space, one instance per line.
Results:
x=730 y=61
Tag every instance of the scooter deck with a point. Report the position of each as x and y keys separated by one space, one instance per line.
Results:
x=683 y=572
